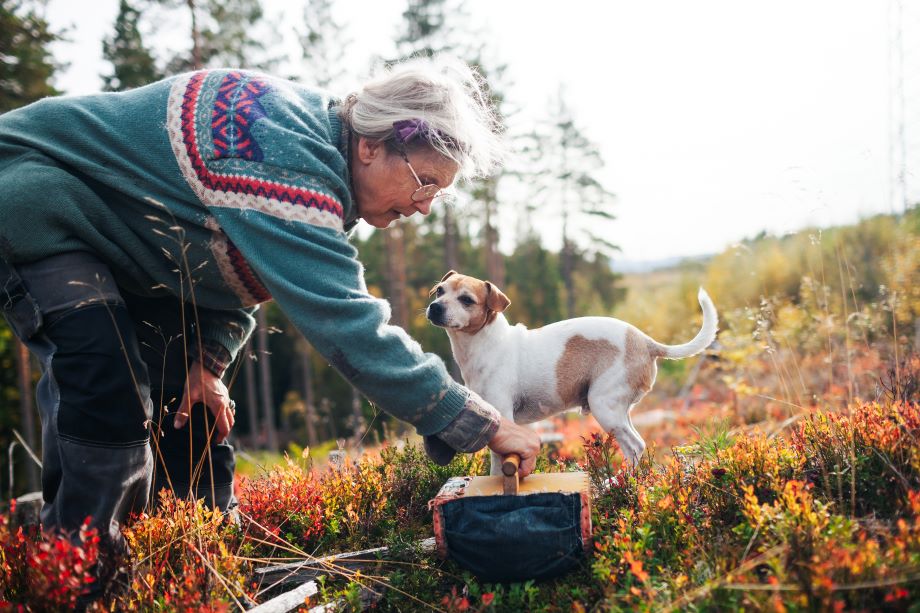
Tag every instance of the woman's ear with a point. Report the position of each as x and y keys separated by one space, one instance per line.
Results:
x=369 y=149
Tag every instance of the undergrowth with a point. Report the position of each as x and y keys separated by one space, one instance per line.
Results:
x=825 y=517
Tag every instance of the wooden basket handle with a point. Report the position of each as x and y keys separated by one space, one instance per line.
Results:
x=510 y=465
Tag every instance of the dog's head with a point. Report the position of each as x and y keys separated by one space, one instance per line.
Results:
x=465 y=304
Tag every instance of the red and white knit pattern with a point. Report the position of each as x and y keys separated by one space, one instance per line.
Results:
x=234 y=269
x=286 y=202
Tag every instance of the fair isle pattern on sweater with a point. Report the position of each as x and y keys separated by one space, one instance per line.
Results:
x=232 y=115
x=237 y=107
x=288 y=202
x=234 y=268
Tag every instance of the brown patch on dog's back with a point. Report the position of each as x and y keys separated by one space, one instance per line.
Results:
x=582 y=360
x=638 y=361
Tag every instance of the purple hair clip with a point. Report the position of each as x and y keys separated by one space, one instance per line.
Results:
x=407 y=130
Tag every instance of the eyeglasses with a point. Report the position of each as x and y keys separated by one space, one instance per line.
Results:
x=425 y=191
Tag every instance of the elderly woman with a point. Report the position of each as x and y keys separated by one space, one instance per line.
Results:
x=141 y=229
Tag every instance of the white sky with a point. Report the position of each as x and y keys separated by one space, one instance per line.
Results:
x=716 y=119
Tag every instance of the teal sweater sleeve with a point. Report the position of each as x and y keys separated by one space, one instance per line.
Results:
x=264 y=157
x=315 y=277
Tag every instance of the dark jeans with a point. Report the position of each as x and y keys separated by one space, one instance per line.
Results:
x=113 y=370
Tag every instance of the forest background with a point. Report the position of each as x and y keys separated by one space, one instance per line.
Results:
x=287 y=394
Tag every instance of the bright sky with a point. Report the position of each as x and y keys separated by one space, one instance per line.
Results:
x=716 y=119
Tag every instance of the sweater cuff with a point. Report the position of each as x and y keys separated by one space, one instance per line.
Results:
x=470 y=431
x=444 y=411
x=214 y=356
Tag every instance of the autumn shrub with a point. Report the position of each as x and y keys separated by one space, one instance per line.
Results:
x=411 y=480
x=752 y=525
x=866 y=461
x=823 y=560
x=184 y=558
x=285 y=505
x=45 y=572
x=354 y=501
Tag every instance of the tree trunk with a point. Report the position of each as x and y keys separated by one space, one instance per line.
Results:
x=196 y=37
x=265 y=379
x=495 y=263
x=252 y=404
x=309 y=399
x=451 y=260
x=568 y=265
x=357 y=417
x=27 y=414
x=325 y=407
x=396 y=276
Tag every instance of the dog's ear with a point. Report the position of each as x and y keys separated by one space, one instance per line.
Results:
x=435 y=286
x=496 y=300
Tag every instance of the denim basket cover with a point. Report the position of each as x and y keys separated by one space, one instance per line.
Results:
x=533 y=535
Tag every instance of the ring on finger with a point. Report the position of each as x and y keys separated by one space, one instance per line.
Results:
x=232 y=407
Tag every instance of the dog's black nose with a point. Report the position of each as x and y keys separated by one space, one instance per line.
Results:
x=436 y=313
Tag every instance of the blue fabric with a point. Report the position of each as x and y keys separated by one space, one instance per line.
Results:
x=515 y=538
x=95 y=456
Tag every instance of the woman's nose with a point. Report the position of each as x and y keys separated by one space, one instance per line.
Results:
x=424 y=207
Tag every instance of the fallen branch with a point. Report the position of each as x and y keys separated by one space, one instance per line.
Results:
x=311 y=568
x=290 y=600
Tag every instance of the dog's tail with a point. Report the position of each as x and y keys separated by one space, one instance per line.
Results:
x=704 y=337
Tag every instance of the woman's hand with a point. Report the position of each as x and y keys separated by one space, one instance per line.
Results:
x=512 y=438
x=204 y=386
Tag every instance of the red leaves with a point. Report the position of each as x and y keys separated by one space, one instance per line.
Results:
x=287 y=500
x=47 y=571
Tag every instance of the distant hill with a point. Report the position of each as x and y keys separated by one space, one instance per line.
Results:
x=640 y=266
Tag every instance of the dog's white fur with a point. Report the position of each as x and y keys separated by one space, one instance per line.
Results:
x=600 y=364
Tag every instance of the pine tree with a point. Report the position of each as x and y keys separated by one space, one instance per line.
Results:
x=223 y=33
x=424 y=35
x=563 y=168
x=533 y=272
x=485 y=191
x=28 y=66
x=26 y=71
x=231 y=38
x=323 y=43
x=132 y=63
x=422 y=21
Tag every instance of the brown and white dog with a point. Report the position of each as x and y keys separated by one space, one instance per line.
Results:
x=600 y=364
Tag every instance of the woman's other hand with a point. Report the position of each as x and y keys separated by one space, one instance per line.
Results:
x=204 y=386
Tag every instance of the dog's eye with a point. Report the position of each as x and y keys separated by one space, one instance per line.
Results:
x=466 y=300
x=439 y=291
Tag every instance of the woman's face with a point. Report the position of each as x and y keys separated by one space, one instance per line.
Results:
x=384 y=184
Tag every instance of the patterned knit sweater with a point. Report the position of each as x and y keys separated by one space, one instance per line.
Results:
x=232 y=188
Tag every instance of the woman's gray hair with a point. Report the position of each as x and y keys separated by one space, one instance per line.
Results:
x=445 y=93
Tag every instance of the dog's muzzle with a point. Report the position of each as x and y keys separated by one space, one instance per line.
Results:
x=435 y=313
